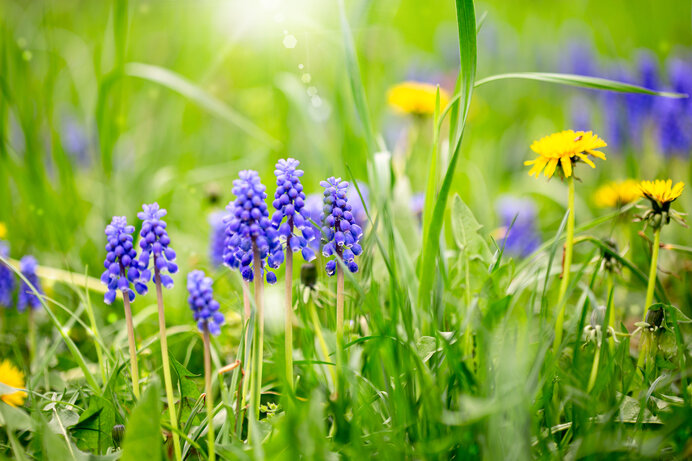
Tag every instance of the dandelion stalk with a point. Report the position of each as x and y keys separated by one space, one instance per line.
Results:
x=134 y=368
x=32 y=337
x=209 y=398
x=288 y=338
x=569 y=245
x=166 y=367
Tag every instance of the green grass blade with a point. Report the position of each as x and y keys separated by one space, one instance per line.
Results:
x=581 y=81
x=179 y=84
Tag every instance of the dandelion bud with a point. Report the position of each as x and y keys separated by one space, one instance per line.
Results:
x=118 y=434
x=654 y=317
x=308 y=275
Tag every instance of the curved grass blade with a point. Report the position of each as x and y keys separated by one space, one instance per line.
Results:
x=581 y=81
x=177 y=83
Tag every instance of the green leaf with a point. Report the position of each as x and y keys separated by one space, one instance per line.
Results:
x=189 y=392
x=466 y=230
x=581 y=81
x=93 y=431
x=143 y=440
x=426 y=346
x=466 y=22
x=15 y=419
x=194 y=93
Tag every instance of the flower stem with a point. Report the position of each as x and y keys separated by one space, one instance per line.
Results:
x=166 y=367
x=317 y=328
x=646 y=335
x=564 y=283
x=134 y=369
x=209 y=397
x=594 y=369
x=339 y=322
x=32 y=337
x=652 y=271
x=289 y=317
x=247 y=350
x=256 y=385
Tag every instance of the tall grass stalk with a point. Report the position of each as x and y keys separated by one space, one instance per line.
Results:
x=646 y=335
x=288 y=336
x=569 y=245
x=317 y=328
x=32 y=336
x=209 y=398
x=95 y=334
x=166 y=367
x=134 y=368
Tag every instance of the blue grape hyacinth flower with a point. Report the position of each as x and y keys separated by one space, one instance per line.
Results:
x=339 y=228
x=249 y=228
x=26 y=297
x=7 y=279
x=674 y=116
x=122 y=267
x=202 y=302
x=291 y=215
x=155 y=242
x=217 y=237
x=522 y=238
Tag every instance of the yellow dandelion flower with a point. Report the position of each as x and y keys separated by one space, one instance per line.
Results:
x=565 y=148
x=617 y=194
x=416 y=98
x=11 y=376
x=3 y=230
x=662 y=192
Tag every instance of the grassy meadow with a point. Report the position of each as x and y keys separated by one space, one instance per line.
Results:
x=445 y=304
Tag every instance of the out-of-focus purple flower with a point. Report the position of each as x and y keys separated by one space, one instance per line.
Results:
x=26 y=296
x=521 y=239
x=154 y=243
x=217 y=237
x=249 y=227
x=75 y=140
x=640 y=106
x=291 y=216
x=339 y=227
x=313 y=210
x=675 y=115
x=579 y=59
x=6 y=277
x=359 y=206
x=416 y=205
x=122 y=266
x=580 y=113
x=615 y=113
x=204 y=307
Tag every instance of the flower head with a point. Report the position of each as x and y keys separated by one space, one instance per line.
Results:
x=358 y=206
x=249 y=228
x=416 y=98
x=6 y=277
x=12 y=377
x=674 y=116
x=565 y=148
x=203 y=304
x=121 y=262
x=339 y=228
x=154 y=242
x=217 y=237
x=661 y=193
x=291 y=215
x=617 y=194
x=3 y=230
x=518 y=235
x=27 y=297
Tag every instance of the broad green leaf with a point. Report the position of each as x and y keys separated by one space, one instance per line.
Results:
x=426 y=346
x=466 y=22
x=581 y=81
x=143 y=440
x=93 y=431
x=189 y=392
x=14 y=418
x=194 y=93
x=466 y=230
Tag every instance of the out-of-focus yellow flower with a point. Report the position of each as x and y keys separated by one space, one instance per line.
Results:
x=565 y=148
x=3 y=230
x=11 y=376
x=617 y=194
x=416 y=98
x=661 y=192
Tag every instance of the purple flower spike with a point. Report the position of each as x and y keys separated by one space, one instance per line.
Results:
x=522 y=238
x=248 y=226
x=291 y=214
x=122 y=267
x=203 y=304
x=217 y=237
x=339 y=227
x=6 y=277
x=154 y=243
x=26 y=297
